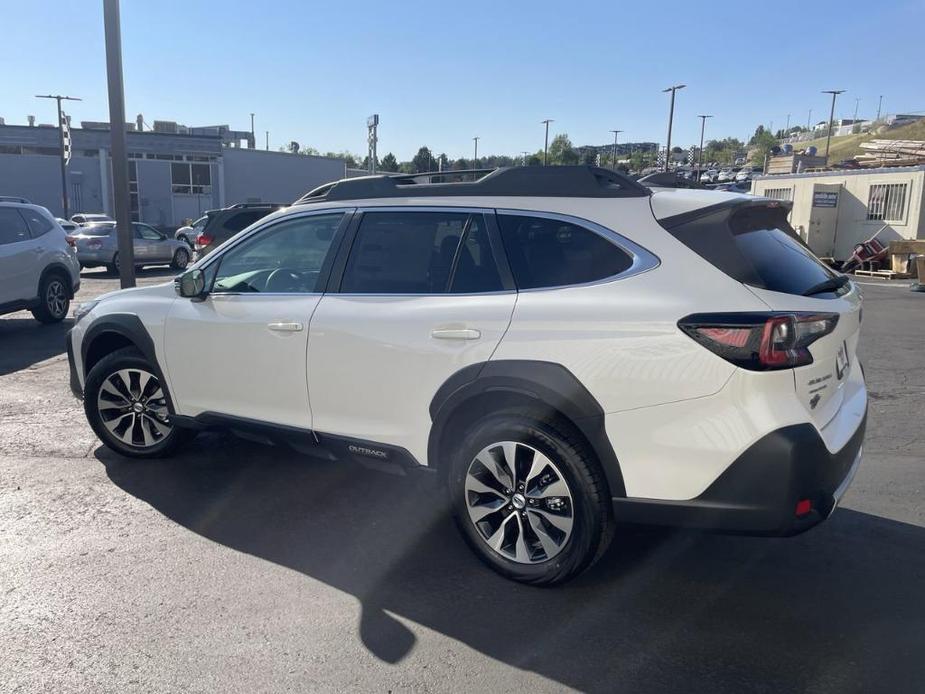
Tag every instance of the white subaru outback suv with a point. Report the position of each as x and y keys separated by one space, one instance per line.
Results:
x=38 y=263
x=565 y=348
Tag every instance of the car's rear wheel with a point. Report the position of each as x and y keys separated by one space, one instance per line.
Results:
x=180 y=259
x=126 y=405
x=113 y=266
x=530 y=498
x=54 y=300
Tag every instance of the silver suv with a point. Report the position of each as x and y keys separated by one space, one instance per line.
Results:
x=38 y=265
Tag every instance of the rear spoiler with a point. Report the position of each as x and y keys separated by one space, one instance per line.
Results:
x=730 y=204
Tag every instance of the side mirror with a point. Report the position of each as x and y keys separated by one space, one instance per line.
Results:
x=191 y=284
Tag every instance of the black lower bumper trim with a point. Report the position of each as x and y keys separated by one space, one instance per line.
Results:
x=758 y=493
x=73 y=379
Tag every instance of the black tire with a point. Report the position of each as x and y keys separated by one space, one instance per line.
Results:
x=181 y=258
x=592 y=514
x=54 y=299
x=113 y=267
x=129 y=358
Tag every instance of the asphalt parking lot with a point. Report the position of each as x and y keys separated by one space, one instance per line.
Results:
x=237 y=567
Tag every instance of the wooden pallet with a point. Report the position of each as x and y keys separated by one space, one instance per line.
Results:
x=883 y=274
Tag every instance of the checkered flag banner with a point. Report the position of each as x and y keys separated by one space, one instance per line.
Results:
x=690 y=156
x=66 y=138
x=661 y=156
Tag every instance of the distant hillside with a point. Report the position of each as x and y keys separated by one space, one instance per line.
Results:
x=849 y=145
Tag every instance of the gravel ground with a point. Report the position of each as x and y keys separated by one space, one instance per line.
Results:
x=237 y=567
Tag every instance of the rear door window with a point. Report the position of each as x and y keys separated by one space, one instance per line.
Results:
x=756 y=246
x=420 y=253
x=546 y=252
x=38 y=223
x=12 y=226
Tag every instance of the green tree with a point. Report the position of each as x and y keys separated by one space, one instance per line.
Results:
x=422 y=161
x=461 y=164
x=562 y=152
x=389 y=163
x=588 y=156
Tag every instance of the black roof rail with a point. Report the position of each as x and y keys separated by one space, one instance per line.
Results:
x=666 y=179
x=14 y=198
x=243 y=205
x=515 y=181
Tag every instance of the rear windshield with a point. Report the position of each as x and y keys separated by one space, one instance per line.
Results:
x=756 y=246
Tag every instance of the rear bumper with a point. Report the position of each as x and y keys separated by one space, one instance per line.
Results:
x=758 y=493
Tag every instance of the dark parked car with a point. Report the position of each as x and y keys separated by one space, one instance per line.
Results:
x=223 y=224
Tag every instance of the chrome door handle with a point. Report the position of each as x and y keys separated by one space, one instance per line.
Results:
x=285 y=327
x=460 y=334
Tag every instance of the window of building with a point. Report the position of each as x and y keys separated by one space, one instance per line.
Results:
x=282 y=258
x=779 y=193
x=553 y=253
x=191 y=179
x=887 y=202
x=420 y=253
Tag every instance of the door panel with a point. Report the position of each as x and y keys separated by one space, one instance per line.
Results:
x=375 y=363
x=224 y=356
x=20 y=257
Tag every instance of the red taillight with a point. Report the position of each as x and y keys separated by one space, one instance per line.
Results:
x=71 y=241
x=204 y=239
x=760 y=341
x=804 y=506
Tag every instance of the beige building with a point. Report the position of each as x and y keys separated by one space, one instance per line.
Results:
x=834 y=210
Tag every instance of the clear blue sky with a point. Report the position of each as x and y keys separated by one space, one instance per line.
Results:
x=441 y=72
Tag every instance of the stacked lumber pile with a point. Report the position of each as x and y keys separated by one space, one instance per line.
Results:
x=891 y=153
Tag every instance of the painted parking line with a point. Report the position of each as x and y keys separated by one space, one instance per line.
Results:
x=898 y=285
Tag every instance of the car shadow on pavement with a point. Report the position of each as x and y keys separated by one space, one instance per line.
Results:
x=838 y=609
x=25 y=341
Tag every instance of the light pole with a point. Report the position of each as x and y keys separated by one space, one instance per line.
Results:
x=703 y=124
x=120 y=192
x=475 y=158
x=809 y=119
x=615 y=133
x=525 y=153
x=59 y=98
x=828 y=139
x=253 y=142
x=546 y=145
x=879 y=105
x=787 y=129
x=857 y=101
x=671 y=89
x=268 y=139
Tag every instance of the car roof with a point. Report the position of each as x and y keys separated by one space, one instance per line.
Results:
x=670 y=202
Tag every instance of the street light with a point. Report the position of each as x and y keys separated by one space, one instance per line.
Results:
x=671 y=89
x=253 y=142
x=476 y=157
x=703 y=125
x=546 y=145
x=615 y=133
x=828 y=139
x=59 y=98
x=879 y=106
x=525 y=153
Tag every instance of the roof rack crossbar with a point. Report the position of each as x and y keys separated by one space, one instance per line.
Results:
x=519 y=181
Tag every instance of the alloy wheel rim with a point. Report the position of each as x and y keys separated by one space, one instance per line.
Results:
x=56 y=298
x=519 y=502
x=181 y=258
x=133 y=408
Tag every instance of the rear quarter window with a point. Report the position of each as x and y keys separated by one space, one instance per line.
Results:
x=546 y=252
x=756 y=246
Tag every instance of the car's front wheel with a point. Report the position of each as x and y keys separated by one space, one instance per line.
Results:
x=126 y=406
x=530 y=498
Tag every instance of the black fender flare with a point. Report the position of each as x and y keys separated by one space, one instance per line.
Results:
x=547 y=383
x=58 y=269
x=129 y=326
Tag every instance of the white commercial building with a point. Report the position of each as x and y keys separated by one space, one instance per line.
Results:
x=835 y=210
